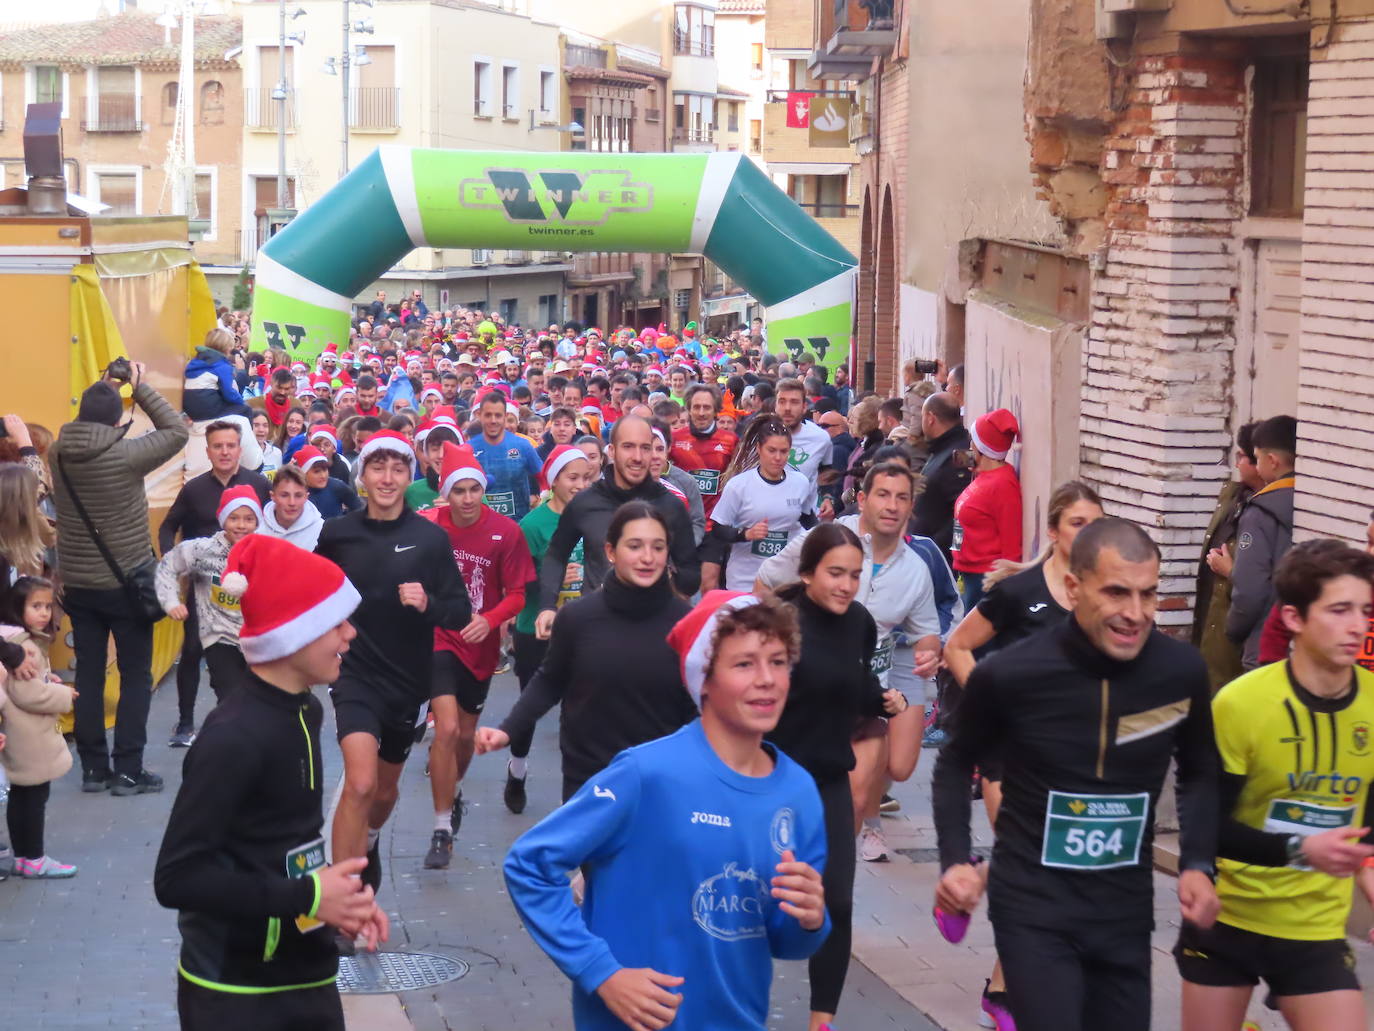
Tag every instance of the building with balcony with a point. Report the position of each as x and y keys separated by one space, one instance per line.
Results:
x=117 y=81
x=748 y=67
x=422 y=73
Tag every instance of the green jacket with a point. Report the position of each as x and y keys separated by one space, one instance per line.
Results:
x=107 y=467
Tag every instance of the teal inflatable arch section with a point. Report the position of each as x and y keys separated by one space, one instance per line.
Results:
x=399 y=198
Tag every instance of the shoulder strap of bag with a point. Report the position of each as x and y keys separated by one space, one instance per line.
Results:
x=90 y=526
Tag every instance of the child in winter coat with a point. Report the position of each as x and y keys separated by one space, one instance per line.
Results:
x=210 y=391
x=203 y=559
x=34 y=753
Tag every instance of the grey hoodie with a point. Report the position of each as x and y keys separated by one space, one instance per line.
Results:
x=202 y=559
x=304 y=532
x=1263 y=536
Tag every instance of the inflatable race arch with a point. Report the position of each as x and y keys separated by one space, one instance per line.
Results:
x=399 y=198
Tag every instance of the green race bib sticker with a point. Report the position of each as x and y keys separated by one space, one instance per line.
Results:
x=770 y=545
x=302 y=861
x=502 y=501
x=708 y=481
x=1288 y=816
x=1094 y=832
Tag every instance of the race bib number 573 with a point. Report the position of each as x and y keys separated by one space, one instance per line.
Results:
x=1094 y=832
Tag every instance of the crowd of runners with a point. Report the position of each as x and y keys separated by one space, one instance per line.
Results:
x=756 y=593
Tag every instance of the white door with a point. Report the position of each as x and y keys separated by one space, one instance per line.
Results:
x=1266 y=374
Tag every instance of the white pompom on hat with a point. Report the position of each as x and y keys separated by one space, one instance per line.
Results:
x=691 y=635
x=289 y=597
x=994 y=433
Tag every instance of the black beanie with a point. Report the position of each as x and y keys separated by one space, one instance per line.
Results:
x=100 y=403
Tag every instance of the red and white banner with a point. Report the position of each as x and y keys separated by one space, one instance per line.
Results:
x=799 y=110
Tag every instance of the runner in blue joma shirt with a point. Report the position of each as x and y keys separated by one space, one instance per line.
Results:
x=510 y=461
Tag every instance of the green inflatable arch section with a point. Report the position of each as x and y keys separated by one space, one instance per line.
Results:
x=400 y=198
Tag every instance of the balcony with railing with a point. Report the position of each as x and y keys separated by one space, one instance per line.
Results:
x=264 y=112
x=112 y=112
x=706 y=134
x=577 y=55
x=601 y=267
x=848 y=35
x=687 y=44
x=375 y=108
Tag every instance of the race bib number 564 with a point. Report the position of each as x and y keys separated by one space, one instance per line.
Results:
x=1094 y=832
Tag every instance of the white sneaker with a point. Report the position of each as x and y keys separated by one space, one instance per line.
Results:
x=872 y=845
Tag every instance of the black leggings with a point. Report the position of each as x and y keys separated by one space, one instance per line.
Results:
x=1096 y=976
x=26 y=814
x=529 y=653
x=829 y=965
x=188 y=667
x=300 y=1009
x=227 y=667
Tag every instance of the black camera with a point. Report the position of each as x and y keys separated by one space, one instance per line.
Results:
x=926 y=368
x=120 y=370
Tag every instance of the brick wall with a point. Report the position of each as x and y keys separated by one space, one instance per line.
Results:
x=1335 y=400
x=1158 y=355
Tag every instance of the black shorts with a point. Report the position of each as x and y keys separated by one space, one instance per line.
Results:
x=1231 y=957
x=299 y=1009
x=452 y=677
x=359 y=710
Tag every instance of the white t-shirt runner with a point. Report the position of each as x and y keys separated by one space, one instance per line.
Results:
x=812 y=448
x=746 y=499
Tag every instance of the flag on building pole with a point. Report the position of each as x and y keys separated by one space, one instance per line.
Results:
x=799 y=110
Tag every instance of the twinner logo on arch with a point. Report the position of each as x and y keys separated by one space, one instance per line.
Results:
x=556 y=197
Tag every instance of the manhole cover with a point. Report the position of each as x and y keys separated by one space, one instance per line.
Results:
x=380 y=973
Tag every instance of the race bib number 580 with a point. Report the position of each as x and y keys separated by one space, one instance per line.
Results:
x=1094 y=832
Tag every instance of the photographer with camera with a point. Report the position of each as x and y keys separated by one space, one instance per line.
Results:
x=106 y=561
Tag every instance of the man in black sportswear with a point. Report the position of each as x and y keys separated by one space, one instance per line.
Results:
x=589 y=514
x=1086 y=718
x=404 y=569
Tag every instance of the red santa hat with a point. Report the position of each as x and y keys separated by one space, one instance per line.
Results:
x=342 y=392
x=238 y=497
x=994 y=433
x=691 y=635
x=289 y=597
x=559 y=459
x=460 y=463
x=389 y=441
x=330 y=352
x=431 y=392
x=308 y=455
x=439 y=423
x=326 y=432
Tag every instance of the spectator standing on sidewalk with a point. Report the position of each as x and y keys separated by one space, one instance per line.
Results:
x=99 y=463
x=987 y=516
x=1218 y=558
x=945 y=477
x=1264 y=535
x=195 y=514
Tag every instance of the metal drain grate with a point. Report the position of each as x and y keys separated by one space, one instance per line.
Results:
x=932 y=855
x=380 y=973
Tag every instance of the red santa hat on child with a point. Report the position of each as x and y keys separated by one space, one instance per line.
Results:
x=289 y=597
x=326 y=432
x=559 y=459
x=460 y=463
x=238 y=497
x=389 y=441
x=994 y=433
x=307 y=455
x=691 y=635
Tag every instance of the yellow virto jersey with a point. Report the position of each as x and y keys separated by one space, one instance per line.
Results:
x=1305 y=771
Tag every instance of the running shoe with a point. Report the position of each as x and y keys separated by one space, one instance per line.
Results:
x=182 y=736
x=952 y=926
x=515 y=792
x=440 y=851
x=934 y=738
x=372 y=873
x=43 y=868
x=889 y=805
x=872 y=845
x=996 y=1010
x=505 y=663
x=459 y=808
x=144 y=783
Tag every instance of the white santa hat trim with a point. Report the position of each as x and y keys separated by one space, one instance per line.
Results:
x=459 y=475
x=697 y=661
x=387 y=440
x=317 y=432
x=234 y=503
x=312 y=624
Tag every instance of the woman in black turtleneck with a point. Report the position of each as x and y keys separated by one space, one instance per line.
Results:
x=608 y=661
x=832 y=688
